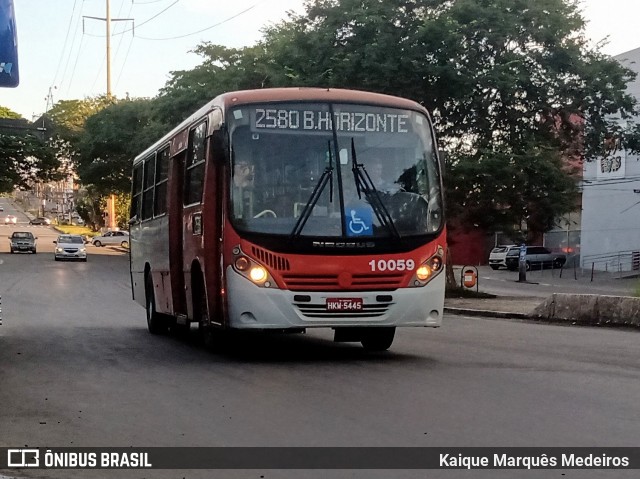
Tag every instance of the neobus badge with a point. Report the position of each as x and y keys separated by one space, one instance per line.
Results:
x=341 y=244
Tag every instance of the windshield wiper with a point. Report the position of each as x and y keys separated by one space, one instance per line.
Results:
x=364 y=184
x=327 y=177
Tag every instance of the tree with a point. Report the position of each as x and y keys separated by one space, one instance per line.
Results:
x=504 y=80
x=25 y=159
x=69 y=116
x=7 y=113
x=110 y=140
x=223 y=69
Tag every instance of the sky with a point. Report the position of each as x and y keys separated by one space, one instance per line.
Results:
x=63 y=52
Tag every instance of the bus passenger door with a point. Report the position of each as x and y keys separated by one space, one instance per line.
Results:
x=176 y=180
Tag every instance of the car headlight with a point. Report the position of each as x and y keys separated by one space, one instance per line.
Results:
x=59 y=250
x=83 y=250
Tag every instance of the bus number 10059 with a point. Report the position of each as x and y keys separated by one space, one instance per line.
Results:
x=392 y=265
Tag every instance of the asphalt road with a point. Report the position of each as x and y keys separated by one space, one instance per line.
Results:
x=78 y=368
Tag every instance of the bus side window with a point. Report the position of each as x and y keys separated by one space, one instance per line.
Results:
x=136 y=193
x=8 y=46
x=194 y=175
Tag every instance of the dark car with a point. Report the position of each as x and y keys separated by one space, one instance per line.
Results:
x=40 y=221
x=535 y=257
x=23 y=241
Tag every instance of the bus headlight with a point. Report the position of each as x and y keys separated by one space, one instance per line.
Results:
x=429 y=269
x=423 y=272
x=258 y=274
x=252 y=269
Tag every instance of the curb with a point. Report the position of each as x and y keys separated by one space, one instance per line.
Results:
x=484 y=312
x=530 y=317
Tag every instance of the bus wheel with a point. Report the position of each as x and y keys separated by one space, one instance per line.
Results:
x=155 y=321
x=378 y=339
x=209 y=334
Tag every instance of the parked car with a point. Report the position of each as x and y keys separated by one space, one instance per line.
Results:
x=498 y=255
x=40 y=221
x=70 y=247
x=1 y=208
x=120 y=238
x=535 y=257
x=23 y=241
x=9 y=219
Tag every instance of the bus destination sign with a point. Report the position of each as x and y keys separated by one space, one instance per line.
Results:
x=321 y=121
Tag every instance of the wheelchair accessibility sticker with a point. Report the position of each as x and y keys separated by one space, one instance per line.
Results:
x=359 y=221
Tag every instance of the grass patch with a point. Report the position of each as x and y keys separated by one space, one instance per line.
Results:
x=459 y=292
x=75 y=230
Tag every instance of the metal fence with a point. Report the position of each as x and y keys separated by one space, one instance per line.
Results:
x=621 y=263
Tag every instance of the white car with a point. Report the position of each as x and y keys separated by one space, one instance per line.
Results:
x=119 y=238
x=498 y=255
x=70 y=247
x=9 y=219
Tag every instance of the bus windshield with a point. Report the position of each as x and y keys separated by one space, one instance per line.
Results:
x=358 y=170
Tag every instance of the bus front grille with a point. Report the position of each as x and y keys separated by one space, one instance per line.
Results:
x=359 y=282
x=271 y=260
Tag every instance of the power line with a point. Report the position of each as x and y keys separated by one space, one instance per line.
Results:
x=73 y=42
x=64 y=46
x=204 y=29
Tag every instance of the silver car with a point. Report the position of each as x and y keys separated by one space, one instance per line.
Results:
x=70 y=247
x=119 y=238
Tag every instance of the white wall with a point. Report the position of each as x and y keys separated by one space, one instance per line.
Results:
x=610 y=207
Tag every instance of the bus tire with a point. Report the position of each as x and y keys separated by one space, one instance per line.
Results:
x=156 y=323
x=378 y=338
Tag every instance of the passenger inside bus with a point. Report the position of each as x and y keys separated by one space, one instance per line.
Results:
x=243 y=186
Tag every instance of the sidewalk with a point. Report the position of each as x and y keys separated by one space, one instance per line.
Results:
x=519 y=300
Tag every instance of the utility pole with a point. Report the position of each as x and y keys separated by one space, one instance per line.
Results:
x=108 y=22
x=111 y=201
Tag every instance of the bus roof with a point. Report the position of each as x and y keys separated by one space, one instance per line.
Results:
x=293 y=94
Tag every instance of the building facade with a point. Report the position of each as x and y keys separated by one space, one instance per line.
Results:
x=611 y=200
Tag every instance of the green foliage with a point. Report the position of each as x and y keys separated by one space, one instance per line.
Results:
x=25 y=159
x=69 y=116
x=223 y=69
x=110 y=140
x=502 y=191
x=90 y=206
x=7 y=113
x=123 y=206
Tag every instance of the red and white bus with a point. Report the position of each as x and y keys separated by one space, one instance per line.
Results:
x=293 y=208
